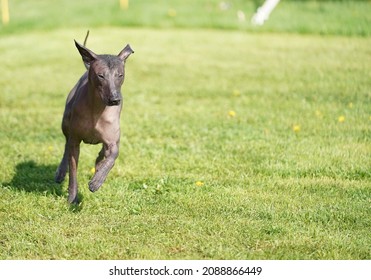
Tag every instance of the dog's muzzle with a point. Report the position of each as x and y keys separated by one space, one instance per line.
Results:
x=114 y=102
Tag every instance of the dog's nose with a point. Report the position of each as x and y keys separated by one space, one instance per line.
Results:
x=114 y=102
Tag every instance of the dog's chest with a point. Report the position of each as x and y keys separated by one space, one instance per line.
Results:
x=104 y=128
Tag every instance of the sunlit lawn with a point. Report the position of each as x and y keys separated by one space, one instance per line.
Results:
x=236 y=143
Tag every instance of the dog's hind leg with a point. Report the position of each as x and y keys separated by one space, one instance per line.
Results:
x=63 y=167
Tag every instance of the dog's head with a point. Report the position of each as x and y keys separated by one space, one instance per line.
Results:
x=106 y=72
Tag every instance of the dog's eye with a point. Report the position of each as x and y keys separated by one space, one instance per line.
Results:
x=121 y=75
x=100 y=76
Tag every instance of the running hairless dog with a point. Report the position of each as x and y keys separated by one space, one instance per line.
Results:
x=92 y=115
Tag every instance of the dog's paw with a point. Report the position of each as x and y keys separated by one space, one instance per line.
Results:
x=72 y=196
x=94 y=185
x=73 y=200
x=59 y=176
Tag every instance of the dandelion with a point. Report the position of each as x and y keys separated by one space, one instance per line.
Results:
x=236 y=92
x=199 y=184
x=318 y=114
x=171 y=13
x=341 y=119
x=92 y=171
x=50 y=148
x=296 y=128
x=232 y=114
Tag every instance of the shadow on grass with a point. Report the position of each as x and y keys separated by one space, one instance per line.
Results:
x=31 y=177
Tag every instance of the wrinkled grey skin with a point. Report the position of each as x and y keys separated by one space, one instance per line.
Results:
x=92 y=115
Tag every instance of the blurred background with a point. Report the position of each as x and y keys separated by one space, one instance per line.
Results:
x=305 y=16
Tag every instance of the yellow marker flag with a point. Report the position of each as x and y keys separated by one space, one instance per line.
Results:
x=5 y=11
x=124 y=4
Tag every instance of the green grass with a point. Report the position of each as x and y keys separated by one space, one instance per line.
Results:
x=268 y=192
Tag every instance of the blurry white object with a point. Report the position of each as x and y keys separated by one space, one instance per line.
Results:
x=241 y=15
x=263 y=12
x=224 y=6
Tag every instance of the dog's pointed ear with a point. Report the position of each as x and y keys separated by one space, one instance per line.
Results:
x=87 y=55
x=124 y=54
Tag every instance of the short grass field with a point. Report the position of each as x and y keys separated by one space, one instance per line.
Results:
x=237 y=143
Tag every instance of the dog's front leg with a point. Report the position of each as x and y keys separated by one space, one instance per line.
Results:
x=100 y=158
x=111 y=152
x=74 y=151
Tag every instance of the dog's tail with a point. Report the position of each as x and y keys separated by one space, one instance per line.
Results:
x=86 y=39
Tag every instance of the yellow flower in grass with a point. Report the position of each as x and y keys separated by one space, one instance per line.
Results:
x=92 y=170
x=171 y=13
x=318 y=114
x=341 y=119
x=199 y=184
x=296 y=128
x=232 y=114
x=236 y=92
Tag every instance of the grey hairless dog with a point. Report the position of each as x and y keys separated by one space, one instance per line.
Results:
x=92 y=115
